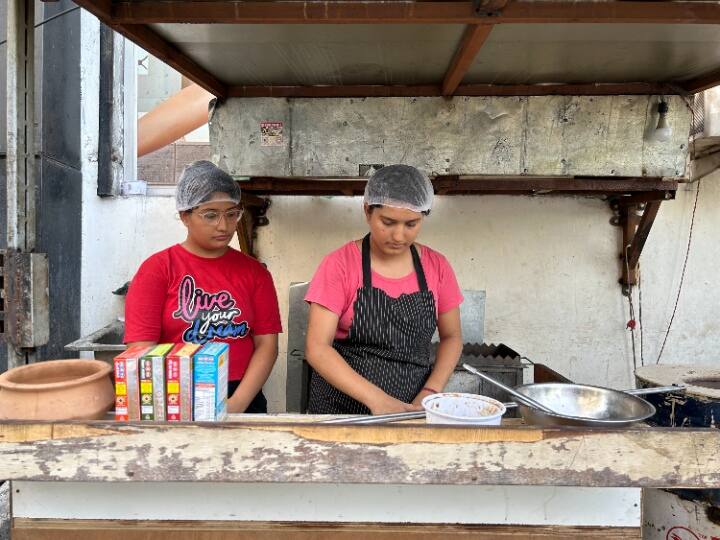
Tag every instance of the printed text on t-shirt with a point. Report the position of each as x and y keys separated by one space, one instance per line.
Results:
x=210 y=315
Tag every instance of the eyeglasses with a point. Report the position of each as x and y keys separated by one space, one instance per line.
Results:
x=212 y=217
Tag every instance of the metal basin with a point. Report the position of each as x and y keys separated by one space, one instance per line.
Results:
x=106 y=343
x=583 y=405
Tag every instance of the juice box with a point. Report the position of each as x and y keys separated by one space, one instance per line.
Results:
x=210 y=374
x=179 y=381
x=127 y=395
x=152 y=383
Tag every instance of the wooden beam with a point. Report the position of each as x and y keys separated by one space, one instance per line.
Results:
x=357 y=454
x=67 y=529
x=629 y=220
x=429 y=90
x=472 y=41
x=704 y=82
x=418 y=12
x=158 y=46
x=643 y=188
x=642 y=232
x=149 y=40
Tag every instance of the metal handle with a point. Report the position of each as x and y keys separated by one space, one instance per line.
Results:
x=656 y=390
x=377 y=419
x=530 y=402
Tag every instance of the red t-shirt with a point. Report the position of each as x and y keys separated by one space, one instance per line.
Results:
x=177 y=297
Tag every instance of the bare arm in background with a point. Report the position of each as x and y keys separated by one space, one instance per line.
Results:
x=173 y=118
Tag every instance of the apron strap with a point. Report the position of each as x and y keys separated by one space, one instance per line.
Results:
x=419 y=272
x=367 y=274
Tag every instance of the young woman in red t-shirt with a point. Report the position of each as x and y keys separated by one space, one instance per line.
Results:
x=203 y=290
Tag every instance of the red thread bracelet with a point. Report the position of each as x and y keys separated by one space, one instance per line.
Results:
x=431 y=390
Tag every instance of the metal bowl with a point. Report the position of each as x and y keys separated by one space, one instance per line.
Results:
x=583 y=405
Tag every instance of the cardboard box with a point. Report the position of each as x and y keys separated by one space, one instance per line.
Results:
x=152 y=383
x=210 y=374
x=179 y=382
x=127 y=394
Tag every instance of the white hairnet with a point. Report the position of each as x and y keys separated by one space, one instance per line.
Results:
x=400 y=186
x=199 y=181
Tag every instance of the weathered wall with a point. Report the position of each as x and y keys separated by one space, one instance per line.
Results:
x=57 y=168
x=117 y=233
x=466 y=135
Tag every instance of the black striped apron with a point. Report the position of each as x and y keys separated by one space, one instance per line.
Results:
x=388 y=343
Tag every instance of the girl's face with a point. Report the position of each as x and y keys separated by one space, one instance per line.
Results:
x=211 y=225
x=393 y=230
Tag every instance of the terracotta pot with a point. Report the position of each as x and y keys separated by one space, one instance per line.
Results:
x=57 y=390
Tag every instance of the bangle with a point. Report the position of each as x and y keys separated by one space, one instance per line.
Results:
x=431 y=390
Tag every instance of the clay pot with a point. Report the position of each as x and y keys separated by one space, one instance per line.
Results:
x=57 y=390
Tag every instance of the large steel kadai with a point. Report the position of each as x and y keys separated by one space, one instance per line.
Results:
x=583 y=405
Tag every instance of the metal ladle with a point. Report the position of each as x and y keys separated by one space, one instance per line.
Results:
x=522 y=398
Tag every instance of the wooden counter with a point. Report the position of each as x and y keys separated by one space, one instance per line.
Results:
x=322 y=481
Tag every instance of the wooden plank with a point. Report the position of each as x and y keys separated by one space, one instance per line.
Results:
x=359 y=454
x=647 y=188
x=704 y=82
x=418 y=12
x=152 y=42
x=629 y=221
x=24 y=529
x=489 y=90
x=149 y=40
x=472 y=41
x=642 y=232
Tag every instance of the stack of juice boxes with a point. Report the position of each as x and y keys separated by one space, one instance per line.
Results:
x=172 y=382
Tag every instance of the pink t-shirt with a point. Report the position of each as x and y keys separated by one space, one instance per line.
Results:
x=339 y=276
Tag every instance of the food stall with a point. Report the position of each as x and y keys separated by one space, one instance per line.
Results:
x=291 y=476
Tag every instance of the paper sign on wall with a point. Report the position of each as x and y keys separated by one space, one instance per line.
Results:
x=271 y=133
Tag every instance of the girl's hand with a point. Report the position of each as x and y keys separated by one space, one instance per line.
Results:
x=418 y=399
x=388 y=404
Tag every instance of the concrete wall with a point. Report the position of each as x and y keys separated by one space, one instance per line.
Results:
x=551 y=135
x=117 y=233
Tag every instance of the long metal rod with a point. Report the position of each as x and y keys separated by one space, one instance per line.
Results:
x=20 y=125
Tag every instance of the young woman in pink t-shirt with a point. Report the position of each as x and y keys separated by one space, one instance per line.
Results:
x=202 y=290
x=375 y=304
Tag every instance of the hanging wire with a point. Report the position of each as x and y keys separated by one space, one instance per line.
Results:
x=51 y=18
x=690 y=106
x=682 y=275
x=640 y=318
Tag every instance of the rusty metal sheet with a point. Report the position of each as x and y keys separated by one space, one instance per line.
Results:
x=27 y=319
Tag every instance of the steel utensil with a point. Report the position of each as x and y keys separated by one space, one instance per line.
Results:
x=522 y=398
x=414 y=415
x=584 y=405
